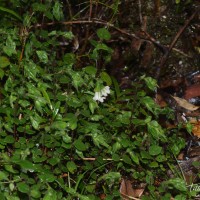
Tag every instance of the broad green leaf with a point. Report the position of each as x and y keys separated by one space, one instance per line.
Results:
x=30 y=71
x=9 y=139
x=156 y=131
x=46 y=96
x=4 y=61
x=34 y=122
x=153 y=164
x=71 y=166
x=149 y=103
x=10 y=169
x=47 y=177
x=90 y=70
x=69 y=58
x=57 y=11
x=51 y=194
x=23 y=187
x=80 y=145
x=103 y=34
x=59 y=125
x=99 y=139
x=77 y=80
x=92 y=106
x=101 y=46
x=133 y=155
x=3 y=176
x=35 y=193
x=112 y=176
x=106 y=78
x=10 y=47
x=25 y=164
x=71 y=121
x=42 y=55
x=178 y=183
x=151 y=83
x=127 y=159
x=155 y=150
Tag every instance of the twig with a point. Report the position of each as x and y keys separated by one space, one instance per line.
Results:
x=93 y=159
x=140 y=11
x=90 y=14
x=181 y=30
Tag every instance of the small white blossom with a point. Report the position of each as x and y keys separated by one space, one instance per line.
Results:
x=101 y=96
x=105 y=91
x=98 y=97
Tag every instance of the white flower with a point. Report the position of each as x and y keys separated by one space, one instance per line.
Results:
x=105 y=91
x=101 y=96
x=98 y=97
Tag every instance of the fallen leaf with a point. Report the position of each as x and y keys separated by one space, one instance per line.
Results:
x=196 y=130
x=128 y=192
x=192 y=91
x=185 y=104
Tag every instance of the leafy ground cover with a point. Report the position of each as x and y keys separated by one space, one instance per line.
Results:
x=67 y=128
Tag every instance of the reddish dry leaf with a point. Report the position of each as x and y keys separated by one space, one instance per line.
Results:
x=192 y=91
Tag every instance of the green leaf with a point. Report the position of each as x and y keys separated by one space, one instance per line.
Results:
x=71 y=166
x=10 y=47
x=47 y=177
x=112 y=176
x=35 y=193
x=127 y=159
x=154 y=150
x=59 y=125
x=156 y=130
x=4 y=61
x=92 y=106
x=106 y=78
x=149 y=103
x=25 y=164
x=10 y=12
x=80 y=145
x=23 y=187
x=153 y=164
x=90 y=70
x=42 y=56
x=1 y=73
x=71 y=121
x=103 y=34
x=134 y=157
x=3 y=176
x=57 y=11
x=69 y=58
x=151 y=83
x=34 y=123
x=99 y=139
x=51 y=194
x=9 y=139
x=178 y=183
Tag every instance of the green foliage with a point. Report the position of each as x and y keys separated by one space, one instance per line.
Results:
x=50 y=125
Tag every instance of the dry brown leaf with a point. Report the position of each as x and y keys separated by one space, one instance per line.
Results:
x=196 y=130
x=185 y=104
x=127 y=191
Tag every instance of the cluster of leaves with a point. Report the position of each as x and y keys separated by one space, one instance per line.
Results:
x=56 y=142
